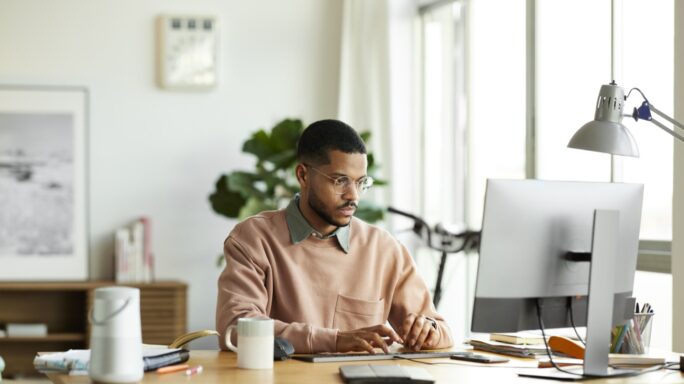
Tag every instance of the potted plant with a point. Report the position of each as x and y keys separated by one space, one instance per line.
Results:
x=272 y=183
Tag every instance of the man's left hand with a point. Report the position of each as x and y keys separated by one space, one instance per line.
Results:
x=418 y=332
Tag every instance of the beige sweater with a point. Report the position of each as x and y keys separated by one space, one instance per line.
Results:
x=313 y=289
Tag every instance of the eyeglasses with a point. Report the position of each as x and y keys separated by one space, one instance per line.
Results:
x=342 y=184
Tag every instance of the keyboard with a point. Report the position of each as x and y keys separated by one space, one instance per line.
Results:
x=338 y=357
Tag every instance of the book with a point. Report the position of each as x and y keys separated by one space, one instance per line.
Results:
x=133 y=252
x=528 y=350
x=26 y=329
x=518 y=338
x=362 y=374
x=625 y=359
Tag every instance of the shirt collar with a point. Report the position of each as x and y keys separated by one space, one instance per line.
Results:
x=300 y=229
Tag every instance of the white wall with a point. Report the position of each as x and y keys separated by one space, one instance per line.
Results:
x=158 y=153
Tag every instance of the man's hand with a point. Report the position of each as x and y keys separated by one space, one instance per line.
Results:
x=418 y=332
x=365 y=339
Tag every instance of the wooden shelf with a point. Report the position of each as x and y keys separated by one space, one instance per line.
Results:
x=64 y=308
x=55 y=337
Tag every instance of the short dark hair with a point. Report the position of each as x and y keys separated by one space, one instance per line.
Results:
x=325 y=135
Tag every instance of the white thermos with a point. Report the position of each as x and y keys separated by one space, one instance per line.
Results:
x=115 y=337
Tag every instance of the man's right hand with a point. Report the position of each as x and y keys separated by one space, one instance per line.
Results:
x=365 y=339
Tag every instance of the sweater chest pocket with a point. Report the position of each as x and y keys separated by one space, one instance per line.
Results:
x=352 y=313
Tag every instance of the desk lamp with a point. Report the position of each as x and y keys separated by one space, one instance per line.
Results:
x=607 y=134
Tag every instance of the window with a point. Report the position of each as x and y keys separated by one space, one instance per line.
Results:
x=647 y=62
x=567 y=87
x=574 y=53
x=443 y=147
x=496 y=134
x=570 y=69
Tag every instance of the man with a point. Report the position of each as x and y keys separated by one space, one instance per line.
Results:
x=329 y=280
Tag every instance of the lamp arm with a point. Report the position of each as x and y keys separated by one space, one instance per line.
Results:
x=668 y=130
x=666 y=117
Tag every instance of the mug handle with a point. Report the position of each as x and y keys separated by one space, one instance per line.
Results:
x=228 y=343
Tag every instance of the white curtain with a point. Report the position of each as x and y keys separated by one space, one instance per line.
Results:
x=377 y=93
x=364 y=99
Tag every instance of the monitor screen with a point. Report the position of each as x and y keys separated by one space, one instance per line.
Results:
x=528 y=228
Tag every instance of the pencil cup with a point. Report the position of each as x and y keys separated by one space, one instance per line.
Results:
x=255 y=343
x=633 y=337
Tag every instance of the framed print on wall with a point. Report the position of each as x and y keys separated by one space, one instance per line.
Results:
x=43 y=193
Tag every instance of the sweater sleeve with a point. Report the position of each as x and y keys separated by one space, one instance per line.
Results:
x=411 y=295
x=245 y=290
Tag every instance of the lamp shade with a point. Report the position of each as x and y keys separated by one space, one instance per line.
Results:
x=606 y=133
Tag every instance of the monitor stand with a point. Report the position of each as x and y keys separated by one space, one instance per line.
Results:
x=604 y=252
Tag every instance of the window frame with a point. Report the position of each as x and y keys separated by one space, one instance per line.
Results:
x=654 y=255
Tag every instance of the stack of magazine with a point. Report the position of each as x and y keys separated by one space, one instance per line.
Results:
x=76 y=361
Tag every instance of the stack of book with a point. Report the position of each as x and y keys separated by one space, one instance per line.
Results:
x=518 y=338
x=517 y=350
x=133 y=253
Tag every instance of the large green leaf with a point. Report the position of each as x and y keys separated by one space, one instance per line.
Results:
x=224 y=201
x=283 y=159
x=372 y=167
x=259 y=145
x=271 y=180
x=365 y=136
x=245 y=184
x=286 y=134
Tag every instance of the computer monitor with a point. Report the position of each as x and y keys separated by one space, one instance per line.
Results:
x=533 y=234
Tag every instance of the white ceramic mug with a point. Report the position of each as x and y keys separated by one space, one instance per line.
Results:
x=255 y=343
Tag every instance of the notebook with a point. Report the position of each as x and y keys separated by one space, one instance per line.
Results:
x=518 y=338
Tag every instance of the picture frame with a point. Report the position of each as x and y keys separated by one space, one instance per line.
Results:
x=43 y=183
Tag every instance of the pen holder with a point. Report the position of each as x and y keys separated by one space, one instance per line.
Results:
x=634 y=337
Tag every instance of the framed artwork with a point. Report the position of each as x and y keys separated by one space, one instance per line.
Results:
x=43 y=186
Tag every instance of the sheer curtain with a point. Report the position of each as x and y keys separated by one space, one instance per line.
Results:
x=364 y=78
x=381 y=90
x=377 y=93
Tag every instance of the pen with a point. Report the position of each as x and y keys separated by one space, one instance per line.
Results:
x=173 y=368
x=191 y=371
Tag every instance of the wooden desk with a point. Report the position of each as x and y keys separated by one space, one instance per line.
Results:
x=221 y=367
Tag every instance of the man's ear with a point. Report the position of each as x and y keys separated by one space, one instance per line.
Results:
x=302 y=174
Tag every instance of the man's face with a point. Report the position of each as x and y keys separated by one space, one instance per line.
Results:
x=330 y=207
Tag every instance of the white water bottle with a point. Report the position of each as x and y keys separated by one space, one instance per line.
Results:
x=115 y=337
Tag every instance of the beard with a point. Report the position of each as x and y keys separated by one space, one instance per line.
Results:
x=317 y=206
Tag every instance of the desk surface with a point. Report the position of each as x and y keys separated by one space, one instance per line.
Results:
x=221 y=367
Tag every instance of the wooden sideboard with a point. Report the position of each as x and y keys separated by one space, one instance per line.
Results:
x=64 y=308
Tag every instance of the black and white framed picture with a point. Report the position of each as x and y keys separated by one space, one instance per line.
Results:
x=43 y=189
